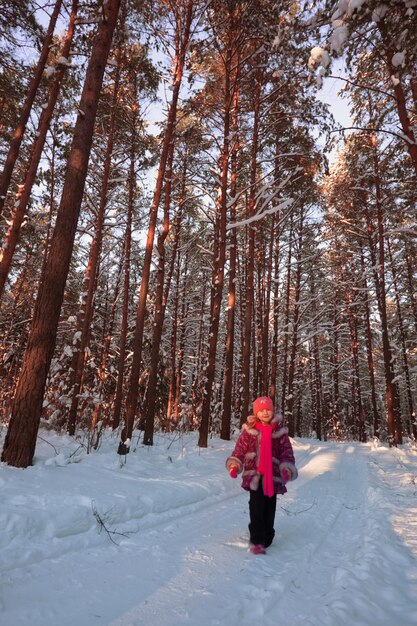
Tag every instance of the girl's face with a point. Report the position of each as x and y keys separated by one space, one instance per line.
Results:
x=264 y=416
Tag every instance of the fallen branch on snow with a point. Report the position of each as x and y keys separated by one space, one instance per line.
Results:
x=102 y=525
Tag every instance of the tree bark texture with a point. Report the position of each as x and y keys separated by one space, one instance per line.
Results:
x=20 y=442
x=249 y=290
x=231 y=301
x=370 y=353
x=295 y=323
x=183 y=37
x=117 y=409
x=162 y=293
x=87 y=307
x=19 y=132
x=25 y=188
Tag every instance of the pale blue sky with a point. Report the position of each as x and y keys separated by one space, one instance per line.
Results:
x=339 y=106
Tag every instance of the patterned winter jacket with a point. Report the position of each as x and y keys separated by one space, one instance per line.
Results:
x=245 y=456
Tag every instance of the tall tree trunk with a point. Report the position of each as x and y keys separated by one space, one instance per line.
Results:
x=104 y=370
x=231 y=302
x=181 y=351
x=266 y=357
x=25 y=189
x=249 y=291
x=215 y=306
x=162 y=294
x=183 y=39
x=197 y=385
x=399 y=96
x=410 y=255
x=352 y=315
x=259 y=311
x=86 y=311
x=294 y=339
x=52 y=174
x=242 y=268
x=335 y=404
x=287 y=316
x=370 y=352
x=391 y=392
x=275 y=234
x=378 y=263
x=127 y=256
x=411 y=426
x=174 y=333
x=19 y=132
x=276 y=308
x=20 y=442
x=219 y=257
x=254 y=356
x=335 y=408
x=317 y=388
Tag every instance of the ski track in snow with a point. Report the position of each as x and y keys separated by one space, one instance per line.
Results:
x=344 y=554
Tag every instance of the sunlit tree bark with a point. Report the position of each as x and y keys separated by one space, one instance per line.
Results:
x=20 y=442
x=19 y=132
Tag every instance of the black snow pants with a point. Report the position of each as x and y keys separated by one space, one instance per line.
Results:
x=262 y=516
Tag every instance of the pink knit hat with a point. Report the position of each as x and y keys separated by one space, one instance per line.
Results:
x=262 y=403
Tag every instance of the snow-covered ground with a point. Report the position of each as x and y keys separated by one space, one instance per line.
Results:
x=345 y=551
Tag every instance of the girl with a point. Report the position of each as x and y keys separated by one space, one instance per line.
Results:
x=264 y=453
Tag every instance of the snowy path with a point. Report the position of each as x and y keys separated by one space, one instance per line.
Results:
x=345 y=552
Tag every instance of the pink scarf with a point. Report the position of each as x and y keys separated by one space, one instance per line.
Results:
x=265 y=458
